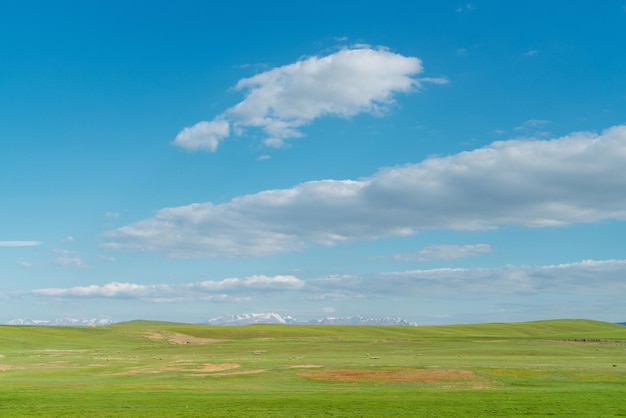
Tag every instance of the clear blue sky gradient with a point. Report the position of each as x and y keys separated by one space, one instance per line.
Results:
x=93 y=96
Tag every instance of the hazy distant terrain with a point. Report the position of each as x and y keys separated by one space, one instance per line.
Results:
x=238 y=319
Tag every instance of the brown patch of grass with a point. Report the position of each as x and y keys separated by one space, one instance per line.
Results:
x=218 y=367
x=207 y=368
x=428 y=376
x=176 y=338
x=243 y=372
x=134 y=372
x=6 y=367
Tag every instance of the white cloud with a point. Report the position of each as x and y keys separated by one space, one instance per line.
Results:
x=284 y=99
x=445 y=252
x=203 y=135
x=20 y=243
x=232 y=289
x=109 y=290
x=25 y=264
x=578 y=178
x=69 y=238
x=254 y=282
x=111 y=215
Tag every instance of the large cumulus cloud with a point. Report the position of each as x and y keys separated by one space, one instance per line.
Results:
x=282 y=100
x=577 y=178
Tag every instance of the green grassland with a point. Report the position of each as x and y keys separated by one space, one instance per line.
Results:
x=141 y=368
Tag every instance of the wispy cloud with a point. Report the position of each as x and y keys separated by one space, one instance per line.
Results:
x=535 y=123
x=67 y=258
x=106 y=258
x=282 y=100
x=69 y=262
x=578 y=178
x=531 y=124
x=533 y=127
x=469 y=7
x=445 y=252
x=20 y=243
x=589 y=277
x=531 y=53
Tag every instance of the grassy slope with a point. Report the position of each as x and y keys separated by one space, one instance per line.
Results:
x=520 y=369
x=564 y=328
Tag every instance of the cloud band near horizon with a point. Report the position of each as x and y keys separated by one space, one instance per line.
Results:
x=602 y=278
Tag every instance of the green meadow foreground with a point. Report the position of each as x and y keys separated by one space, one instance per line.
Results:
x=140 y=368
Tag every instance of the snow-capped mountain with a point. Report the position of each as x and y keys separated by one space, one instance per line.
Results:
x=251 y=318
x=60 y=321
x=360 y=320
x=274 y=318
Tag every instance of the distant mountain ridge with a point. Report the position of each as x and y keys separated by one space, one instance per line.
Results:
x=360 y=320
x=274 y=318
x=237 y=319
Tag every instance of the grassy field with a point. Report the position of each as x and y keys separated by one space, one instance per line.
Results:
x=547 y=368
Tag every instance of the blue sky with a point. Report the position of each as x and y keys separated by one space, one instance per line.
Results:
x=446 y=162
